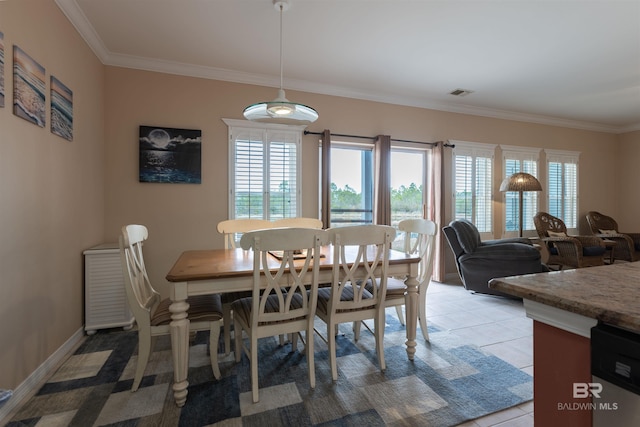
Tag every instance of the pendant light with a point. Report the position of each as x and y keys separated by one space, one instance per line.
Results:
x=281 y=110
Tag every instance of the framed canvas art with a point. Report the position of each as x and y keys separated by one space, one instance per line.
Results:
x=28 y=88
x=61 y=110
x=170 y=155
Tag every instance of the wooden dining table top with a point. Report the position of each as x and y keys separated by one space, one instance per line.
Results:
x=206 y=264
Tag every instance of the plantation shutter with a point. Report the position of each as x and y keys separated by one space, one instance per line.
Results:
x=520 y=159
x=473 y=172
x=264 y=170
x=563 y=186
x=249 y=165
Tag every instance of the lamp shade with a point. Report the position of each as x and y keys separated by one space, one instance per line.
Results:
x=521 y=181
x=281 y=110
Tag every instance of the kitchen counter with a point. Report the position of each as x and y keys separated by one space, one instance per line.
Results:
x=608 y=293
x=564 y=306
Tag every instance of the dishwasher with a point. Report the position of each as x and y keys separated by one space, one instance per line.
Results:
x=615 y=370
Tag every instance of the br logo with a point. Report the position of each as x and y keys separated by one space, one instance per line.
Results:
x=585 y=390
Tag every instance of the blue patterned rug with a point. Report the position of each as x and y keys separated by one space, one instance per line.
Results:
x=448 y=383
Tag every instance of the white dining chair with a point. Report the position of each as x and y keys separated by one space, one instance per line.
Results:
x=232 y=230
x=419 y=239
x=299 y=222
x=283 y=301
x=152 y=312
x=347 y=300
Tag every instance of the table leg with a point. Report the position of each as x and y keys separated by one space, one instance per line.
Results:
x=411 y=308
x=179 y=328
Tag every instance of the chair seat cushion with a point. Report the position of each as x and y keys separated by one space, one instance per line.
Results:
x=243 y=306
x=202 y=308
x=586 y=250
x=324 y=296
x=395 y=287
x=229 y=297
x=593 y=250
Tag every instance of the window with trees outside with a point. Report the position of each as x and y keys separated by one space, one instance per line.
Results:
x=264 y=170
x=562 y=169
x=409 y=174
x=352 y=182
x=520 y=159
x=472 y=184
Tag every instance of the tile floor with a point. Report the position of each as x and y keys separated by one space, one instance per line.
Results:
x=497 y=325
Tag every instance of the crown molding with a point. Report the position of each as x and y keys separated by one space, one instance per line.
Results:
x=79 y=20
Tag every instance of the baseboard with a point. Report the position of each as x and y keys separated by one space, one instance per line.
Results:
x=34 y=381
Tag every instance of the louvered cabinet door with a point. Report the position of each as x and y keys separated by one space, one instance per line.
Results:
x=105 y=299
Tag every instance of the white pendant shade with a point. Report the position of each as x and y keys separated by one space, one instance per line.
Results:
x=281 y=110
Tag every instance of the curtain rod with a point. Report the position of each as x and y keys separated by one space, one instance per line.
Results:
x=433 y=144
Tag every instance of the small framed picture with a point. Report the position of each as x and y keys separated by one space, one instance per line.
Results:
x=61 y=110
x=28 y=88
x=170 y=155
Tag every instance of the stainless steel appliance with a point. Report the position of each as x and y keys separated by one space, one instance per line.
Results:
x=615 y=370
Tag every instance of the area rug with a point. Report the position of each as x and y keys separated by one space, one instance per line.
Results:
x=448 y=383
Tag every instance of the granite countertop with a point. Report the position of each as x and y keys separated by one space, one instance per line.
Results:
x=608 y=293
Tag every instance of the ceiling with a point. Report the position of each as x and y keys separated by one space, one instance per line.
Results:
x=572 y=63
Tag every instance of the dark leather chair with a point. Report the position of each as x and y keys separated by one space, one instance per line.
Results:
x=478 y=261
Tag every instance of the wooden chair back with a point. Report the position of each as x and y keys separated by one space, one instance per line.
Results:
x=370 y=244
x=300 y=222
x=232 y=227
x=143 y=299
x=287 y=260
x=420 y=235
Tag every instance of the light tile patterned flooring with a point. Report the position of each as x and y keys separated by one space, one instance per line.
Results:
x=497 y=325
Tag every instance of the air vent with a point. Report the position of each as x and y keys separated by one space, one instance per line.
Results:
x=460 y=92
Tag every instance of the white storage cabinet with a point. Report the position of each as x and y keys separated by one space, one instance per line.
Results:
x=105 y=298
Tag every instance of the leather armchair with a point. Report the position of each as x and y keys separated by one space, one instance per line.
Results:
x=478 y=261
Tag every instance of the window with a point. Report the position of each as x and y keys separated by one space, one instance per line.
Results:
x=562 y=167
x=472 y=178
x=408 y=182
x=351 y=183
x=519 y=159
x=264 y=170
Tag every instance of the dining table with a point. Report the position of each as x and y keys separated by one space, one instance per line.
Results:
x=209 y=271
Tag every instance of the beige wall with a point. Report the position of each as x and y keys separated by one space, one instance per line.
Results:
x=59 y=198
x=183 y=216
x=627 y=184
x=51 y=192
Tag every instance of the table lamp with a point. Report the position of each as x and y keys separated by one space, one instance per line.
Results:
x=520 y=181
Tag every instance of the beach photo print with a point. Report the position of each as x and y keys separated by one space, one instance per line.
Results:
x=61 y=110
x=28 y=88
